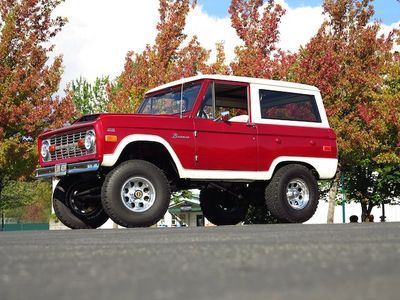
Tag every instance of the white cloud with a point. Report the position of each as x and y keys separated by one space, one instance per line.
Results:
x=101 y=32
x=299 y=25
x=211 y=30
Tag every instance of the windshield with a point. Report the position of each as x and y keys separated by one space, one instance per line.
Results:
x=169 y=100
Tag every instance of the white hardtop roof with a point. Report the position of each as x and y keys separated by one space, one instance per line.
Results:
x=275 y=83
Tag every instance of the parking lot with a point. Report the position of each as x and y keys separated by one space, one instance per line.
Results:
x=352 y=261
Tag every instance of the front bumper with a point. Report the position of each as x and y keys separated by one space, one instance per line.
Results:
x=68 y=169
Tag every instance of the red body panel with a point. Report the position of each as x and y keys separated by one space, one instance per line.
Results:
x=178 y=132
x=278 y=140
x=226 y=146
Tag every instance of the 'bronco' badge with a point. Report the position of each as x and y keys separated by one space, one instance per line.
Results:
x=177 y=136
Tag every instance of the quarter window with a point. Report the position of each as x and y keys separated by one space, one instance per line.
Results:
x=288 y=106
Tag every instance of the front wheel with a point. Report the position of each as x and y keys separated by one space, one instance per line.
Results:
x=292 y=194
x=136 y=194
x=221 y=207
x=77 y=203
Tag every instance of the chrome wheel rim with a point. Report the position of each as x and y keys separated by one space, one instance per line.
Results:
x=297 y=194
x=138 y=194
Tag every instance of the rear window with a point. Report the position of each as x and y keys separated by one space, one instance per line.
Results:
x=288 y=106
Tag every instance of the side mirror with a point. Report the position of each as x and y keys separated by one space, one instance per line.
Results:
x=224 y=116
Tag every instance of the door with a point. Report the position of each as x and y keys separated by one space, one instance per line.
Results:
x=225 y=143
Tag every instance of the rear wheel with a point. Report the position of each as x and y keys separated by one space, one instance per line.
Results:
x=292 y=194
x=221 y=207
x=77 y=203
x=136 y=194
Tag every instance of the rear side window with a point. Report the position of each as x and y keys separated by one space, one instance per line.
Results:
x=288 y=106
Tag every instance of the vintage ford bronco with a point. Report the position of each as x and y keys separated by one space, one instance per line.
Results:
x=241 y=141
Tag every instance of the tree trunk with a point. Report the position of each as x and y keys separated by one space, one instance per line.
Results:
x=364 y=214
x=332 y=197
x=366 y=208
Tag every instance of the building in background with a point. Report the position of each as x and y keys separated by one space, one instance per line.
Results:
x=186 y=212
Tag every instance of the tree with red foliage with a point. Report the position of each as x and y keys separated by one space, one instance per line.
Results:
x=28 y=82
x=347 y=60
x=259 y=56
x=219 y=66
x=168 y=59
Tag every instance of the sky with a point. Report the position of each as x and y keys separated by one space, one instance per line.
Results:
x=385 y=10
x=99 y=33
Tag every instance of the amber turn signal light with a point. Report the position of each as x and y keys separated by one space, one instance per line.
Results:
x=111 y=138
x=52 y=148
x=81 y=143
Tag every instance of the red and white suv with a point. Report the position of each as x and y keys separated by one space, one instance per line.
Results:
x=241 y=141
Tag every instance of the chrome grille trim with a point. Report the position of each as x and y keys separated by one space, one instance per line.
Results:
x=67 y=146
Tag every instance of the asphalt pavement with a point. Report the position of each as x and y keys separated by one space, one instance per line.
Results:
x=288 y=261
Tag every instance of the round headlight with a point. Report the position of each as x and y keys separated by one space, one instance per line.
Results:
x=90 y=140
x=45 y=149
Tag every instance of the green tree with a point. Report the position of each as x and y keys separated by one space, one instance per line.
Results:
x=372 y=185
x=90 y=98
x=181 y=195
x=27 y=201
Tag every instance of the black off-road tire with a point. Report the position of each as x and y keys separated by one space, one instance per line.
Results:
x=221 y=207
x=69 y=206
x=276 y=194
x=113 y=185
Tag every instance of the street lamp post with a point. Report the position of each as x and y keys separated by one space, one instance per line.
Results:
x=383 y=217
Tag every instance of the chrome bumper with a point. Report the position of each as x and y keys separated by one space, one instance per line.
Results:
x=68 y=169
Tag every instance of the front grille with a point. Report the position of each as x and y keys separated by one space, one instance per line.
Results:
x=67 y=146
